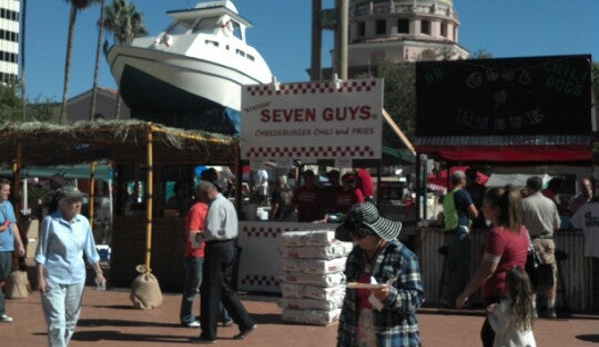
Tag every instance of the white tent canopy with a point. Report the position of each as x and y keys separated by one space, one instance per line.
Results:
x=516 y=180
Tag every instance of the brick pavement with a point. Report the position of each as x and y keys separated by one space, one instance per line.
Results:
x=108 y=320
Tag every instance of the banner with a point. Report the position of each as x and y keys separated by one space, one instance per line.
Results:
x=314 y=120
x=509 y=96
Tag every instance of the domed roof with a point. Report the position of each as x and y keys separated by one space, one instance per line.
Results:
x=364 y=2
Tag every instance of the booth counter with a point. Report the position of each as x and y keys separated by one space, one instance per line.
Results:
x=260 y=258
x=259 y=263
x=575 y=276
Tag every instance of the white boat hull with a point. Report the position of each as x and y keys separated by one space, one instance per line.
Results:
x=218 y=83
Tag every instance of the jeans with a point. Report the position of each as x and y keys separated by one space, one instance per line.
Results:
x=459 y=250
x=62 y=306
x=5 y=266
x=193 y=280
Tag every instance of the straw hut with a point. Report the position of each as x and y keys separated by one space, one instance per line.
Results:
x=139 y=150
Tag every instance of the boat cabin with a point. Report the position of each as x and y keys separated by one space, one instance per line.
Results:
x=213 y=18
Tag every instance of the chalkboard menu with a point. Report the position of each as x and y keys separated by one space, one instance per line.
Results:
x=512 y=96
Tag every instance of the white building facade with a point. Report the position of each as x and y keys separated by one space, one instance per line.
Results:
x=402 y=30
x=9 y=40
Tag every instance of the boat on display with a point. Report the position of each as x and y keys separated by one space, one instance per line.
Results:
x=191 y=75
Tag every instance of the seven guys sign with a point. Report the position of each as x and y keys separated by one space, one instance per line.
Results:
x=314 y=120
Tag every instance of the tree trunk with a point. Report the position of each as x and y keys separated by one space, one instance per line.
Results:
x=67 y=65
x=92 y=110
x=118 y=104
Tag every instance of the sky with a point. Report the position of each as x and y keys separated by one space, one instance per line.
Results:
x=281 y=33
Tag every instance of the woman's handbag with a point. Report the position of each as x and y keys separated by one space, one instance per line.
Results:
x=541 y=275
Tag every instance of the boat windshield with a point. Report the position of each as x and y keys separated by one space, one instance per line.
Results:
x=237 y=30
x=210 y=24
x=180 y=27
x=206 y=25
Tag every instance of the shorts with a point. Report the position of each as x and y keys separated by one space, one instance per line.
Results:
x=546 y=250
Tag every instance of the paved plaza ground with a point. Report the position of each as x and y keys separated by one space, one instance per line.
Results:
x=108 y=319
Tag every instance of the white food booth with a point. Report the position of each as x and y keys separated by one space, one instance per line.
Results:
x=337 y=120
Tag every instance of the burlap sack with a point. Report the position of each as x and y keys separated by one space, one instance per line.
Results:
x=17 y=285
x=145 y=290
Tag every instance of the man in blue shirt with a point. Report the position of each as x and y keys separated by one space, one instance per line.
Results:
x=458 y=208
x=9 y=238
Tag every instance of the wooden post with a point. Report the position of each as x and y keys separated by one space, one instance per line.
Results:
x=92 y=181
x=398 y=132
x=16 y=195
x=149 y=200
x=16 y=174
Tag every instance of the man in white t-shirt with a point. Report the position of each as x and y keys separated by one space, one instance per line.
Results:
x=587 y=219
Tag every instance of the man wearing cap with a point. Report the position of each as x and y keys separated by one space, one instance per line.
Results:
x=458 y=209
x=65 y=237
x=384 y=285
x=10 y=240
x=220 y=233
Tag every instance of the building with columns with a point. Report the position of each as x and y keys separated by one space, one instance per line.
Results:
x=402 y=30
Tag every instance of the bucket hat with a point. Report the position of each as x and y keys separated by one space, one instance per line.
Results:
x=69 y=192
x=367 y=215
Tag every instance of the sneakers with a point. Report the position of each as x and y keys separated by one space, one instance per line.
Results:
x=228 y=323
x=194 y=324
x=242 y=335
x=550 y=313
x=4 y=318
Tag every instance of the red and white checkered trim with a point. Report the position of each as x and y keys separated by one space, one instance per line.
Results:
x=311 y=152
x=259 y=281
x=312 y=88
x=261 y=232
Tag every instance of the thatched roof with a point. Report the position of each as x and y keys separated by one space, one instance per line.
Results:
x=122 y=141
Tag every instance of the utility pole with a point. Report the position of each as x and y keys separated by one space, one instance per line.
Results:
x=316 y=54
x=341 y=38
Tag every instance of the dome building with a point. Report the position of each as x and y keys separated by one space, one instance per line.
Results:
x=402 y=30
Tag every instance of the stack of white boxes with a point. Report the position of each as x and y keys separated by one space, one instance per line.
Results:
x=313 y=283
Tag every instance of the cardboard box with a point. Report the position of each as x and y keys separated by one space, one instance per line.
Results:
x=31 y=246
x=33 y=228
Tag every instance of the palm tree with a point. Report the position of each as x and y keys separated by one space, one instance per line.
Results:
x=125 y=24
x=92 y=110
x=76 y=6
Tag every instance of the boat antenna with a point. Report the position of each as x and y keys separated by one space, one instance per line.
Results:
x=275 y=85
x=336 y=81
